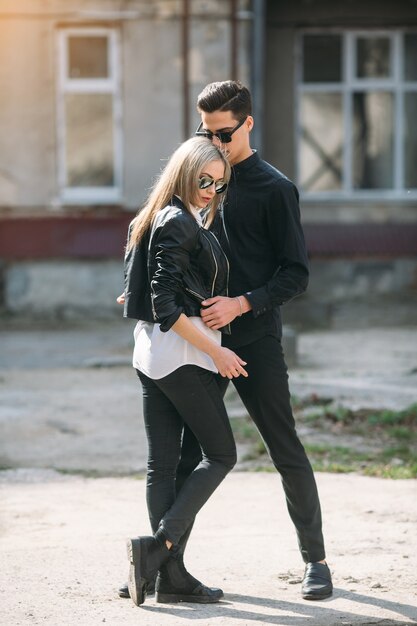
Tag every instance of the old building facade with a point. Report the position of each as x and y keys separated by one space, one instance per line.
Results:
x=95 y=94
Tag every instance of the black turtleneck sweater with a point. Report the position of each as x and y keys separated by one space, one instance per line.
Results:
x=259 y=228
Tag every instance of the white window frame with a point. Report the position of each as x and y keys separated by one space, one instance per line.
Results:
x=108 y=85
x=349 y=83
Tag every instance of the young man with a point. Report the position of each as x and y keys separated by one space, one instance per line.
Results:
x=260 y=230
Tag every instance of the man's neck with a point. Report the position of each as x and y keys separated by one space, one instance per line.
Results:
x=242 y=156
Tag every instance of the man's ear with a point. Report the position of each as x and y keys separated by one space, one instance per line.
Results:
x=250 y=122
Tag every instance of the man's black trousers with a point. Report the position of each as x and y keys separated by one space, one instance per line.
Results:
x=266 y=396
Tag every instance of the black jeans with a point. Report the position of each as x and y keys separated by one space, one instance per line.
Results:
x=266 y=396
x=190 y=395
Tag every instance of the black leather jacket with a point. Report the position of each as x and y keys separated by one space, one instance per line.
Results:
x=176 y=266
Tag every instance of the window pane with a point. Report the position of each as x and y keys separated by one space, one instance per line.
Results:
x=373 y=57
x=373 y=140
x=321 y=148
x=322 y=58
x=410 y=65
x=410 y=140
x=87 y=57
x=89 y=140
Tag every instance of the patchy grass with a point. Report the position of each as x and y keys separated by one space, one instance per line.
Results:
x=316 y=411
x=92 y=473
x=368 y=441
x=390 y=463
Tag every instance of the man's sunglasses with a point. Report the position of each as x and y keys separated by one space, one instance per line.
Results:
x=204 y=182
x=224 y=136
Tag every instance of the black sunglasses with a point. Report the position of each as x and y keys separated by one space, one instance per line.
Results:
x=204 y=182
x=224 y=136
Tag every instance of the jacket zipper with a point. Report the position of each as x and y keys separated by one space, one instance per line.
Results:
x=153 y=309
x=227 y=277
x=224 y=225
x=227 y=263
x=150 y=293
x=195 y=293
x=215 y=263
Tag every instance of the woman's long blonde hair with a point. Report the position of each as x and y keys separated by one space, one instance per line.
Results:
x=180 y=177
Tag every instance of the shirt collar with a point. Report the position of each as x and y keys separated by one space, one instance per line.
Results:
x=247 y=163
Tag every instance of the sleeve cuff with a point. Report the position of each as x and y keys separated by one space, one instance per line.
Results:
x=170 y=321
x=259 y=301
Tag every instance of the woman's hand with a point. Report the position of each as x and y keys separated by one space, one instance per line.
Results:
x=121 y=299
x=228 y=363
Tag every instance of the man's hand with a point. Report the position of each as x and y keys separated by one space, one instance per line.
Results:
x=121 y=299
x=222 y=310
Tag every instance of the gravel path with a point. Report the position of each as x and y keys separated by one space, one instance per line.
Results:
x=63 y=553
x=70 y=401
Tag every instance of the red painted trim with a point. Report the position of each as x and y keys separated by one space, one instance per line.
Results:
x=63 y=237
x=361 y=239
x=94 y=237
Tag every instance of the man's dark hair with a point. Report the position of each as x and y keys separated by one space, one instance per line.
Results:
x=228 y=95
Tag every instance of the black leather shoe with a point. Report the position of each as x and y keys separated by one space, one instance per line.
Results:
x=175 y=584
x=317 y=582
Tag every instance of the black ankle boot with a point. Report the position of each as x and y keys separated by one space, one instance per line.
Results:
x=175 y=584
x=146 y=556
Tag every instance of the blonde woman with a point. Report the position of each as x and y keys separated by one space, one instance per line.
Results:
x=172 y=264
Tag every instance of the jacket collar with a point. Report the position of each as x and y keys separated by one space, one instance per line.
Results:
x=177 y=202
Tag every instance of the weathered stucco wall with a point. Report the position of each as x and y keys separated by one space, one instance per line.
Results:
x=151 y=80
x=27 y=113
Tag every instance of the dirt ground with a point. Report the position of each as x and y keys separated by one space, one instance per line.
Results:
x=70 y=402
x=63 y=554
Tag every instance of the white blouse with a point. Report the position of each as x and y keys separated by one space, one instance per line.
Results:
x=158 y=354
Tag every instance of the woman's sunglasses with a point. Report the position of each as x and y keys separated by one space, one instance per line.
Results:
x=224 y=136
x=204 y=182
